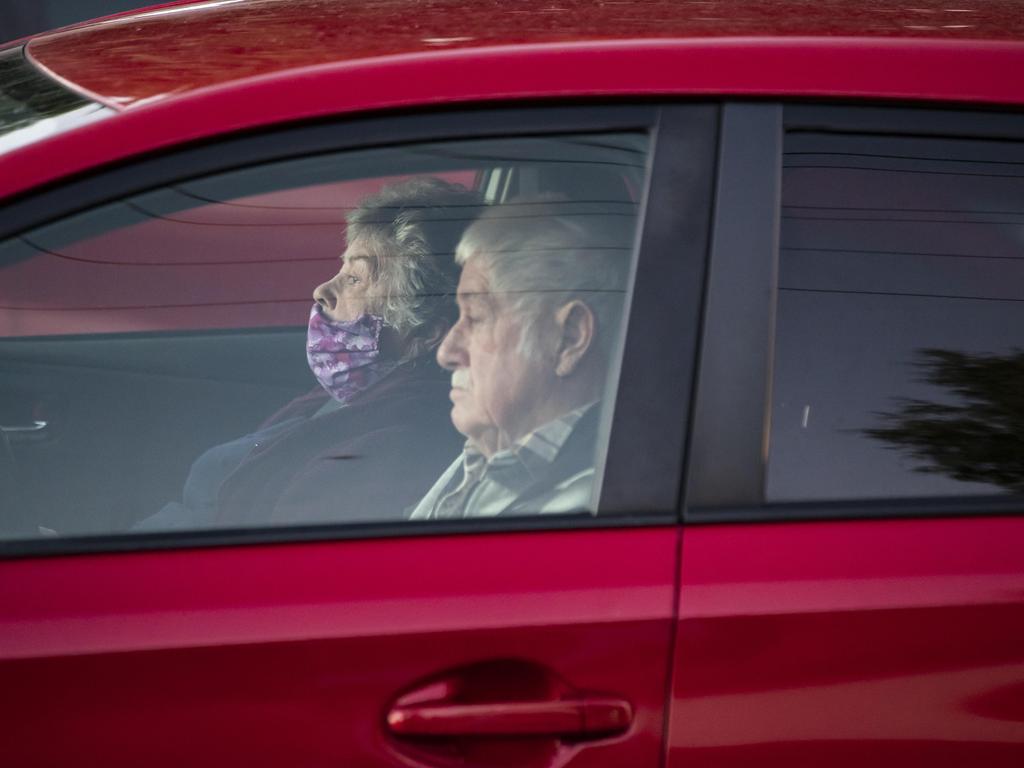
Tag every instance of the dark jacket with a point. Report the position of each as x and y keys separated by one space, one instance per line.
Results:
x=367 y=461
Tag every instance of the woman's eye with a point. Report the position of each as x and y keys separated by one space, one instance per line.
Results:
x=351 y=279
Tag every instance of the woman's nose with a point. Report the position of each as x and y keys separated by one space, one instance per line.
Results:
x=326 y=295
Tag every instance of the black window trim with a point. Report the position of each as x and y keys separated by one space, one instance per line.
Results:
x=673 y=232
x=744 y=502
x=218 y=155
x=860 y=509
x=727 y=448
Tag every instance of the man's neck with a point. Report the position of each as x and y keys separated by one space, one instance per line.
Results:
x=506 y=441
x=572 y=393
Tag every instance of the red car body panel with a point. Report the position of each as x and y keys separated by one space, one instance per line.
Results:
x=834 y=643
x=292 y=655
x=850 y=643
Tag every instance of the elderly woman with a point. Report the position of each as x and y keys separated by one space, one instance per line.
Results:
x=366 y=443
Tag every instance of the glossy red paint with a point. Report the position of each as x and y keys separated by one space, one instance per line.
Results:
x=293 y=654
x=923 y=70
x=850 y=643
x=171 y=50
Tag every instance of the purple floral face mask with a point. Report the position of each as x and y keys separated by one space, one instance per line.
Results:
x=345 y=356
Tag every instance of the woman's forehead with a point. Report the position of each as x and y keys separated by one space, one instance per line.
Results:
x=358 y=256
x=367 y=246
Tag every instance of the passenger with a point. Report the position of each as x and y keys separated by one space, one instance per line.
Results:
x=540 y=303
x=366 y=443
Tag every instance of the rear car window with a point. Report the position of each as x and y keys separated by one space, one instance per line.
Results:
x=422 y=332
x=898 y=356
x=34 y=106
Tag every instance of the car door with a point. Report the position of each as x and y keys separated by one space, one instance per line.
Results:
x=527 y=640
x=851 y=577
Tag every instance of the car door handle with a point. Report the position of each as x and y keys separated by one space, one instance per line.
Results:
x=593 y=717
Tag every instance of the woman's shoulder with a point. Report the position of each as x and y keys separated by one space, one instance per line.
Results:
x=418 y=380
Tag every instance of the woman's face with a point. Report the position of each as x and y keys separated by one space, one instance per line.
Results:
x=348 y=295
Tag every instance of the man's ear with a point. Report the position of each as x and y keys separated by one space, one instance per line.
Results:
x=576 y=322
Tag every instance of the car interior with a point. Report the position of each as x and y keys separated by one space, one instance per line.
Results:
x=137 y=334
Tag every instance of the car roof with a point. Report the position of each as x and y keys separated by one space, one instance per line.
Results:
x=171 y=50
x=187 y=72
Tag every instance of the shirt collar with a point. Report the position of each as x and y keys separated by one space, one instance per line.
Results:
x=533 y=452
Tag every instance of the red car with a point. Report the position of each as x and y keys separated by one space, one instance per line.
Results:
x=804 y=541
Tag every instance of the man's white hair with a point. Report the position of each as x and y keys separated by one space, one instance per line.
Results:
x=541 y=253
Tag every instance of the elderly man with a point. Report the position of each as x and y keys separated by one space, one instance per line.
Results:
x=540 y=304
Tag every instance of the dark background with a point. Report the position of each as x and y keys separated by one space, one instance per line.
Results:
x=26 y=17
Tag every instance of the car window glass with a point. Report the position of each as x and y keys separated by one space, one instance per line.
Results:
x=898 y=355
x=307 y=342
x=34 y=106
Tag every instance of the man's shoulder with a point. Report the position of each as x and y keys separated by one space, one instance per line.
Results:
x=568 y=483
x=573 y=494
x=425 y=509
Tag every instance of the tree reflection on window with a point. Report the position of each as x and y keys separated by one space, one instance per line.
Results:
x=980 y=438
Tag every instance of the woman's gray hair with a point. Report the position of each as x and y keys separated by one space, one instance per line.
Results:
x=541 y=253
x=411 y=229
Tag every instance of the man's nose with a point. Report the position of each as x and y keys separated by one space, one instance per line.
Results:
x=449 y=352
x=326 y=294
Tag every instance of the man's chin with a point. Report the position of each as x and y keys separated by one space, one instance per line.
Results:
x=458 y=418
x=466 y=425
